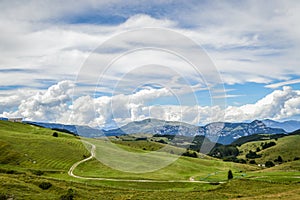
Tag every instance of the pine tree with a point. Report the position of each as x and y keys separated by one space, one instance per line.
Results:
x=230 y=175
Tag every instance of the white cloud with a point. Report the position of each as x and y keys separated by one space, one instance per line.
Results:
x=45 y=106
x=280 y=104
x=248 y=42
x=280 y=84
x=56 y=105
x=243 y=40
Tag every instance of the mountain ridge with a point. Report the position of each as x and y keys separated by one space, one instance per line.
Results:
x=221 y=132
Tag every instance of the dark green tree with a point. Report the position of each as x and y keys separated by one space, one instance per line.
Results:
x=279 y=159
x=269 y=164
x=230 y=175
x=45 y=185
x=55 y=134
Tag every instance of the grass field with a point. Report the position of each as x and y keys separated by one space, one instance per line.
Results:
x=30 y=155
x=287 y=147
x=34 y=148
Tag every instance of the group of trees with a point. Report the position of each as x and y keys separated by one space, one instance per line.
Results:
x=267 y=144
x=252 y=155
x=192 y=154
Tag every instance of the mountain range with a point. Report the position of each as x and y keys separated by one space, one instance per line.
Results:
x=289 y=126
x=222 y=132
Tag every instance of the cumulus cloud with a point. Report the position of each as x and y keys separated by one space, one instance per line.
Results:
x=56 y=105
x=280 y=104
x=46 y=105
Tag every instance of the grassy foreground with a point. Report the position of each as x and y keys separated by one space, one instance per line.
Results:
x=31 y=156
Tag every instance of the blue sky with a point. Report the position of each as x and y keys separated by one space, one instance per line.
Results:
x=49 y=48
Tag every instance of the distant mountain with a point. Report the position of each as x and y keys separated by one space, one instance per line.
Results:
x=224 y=133
x=155 y=126
x=233 y=131
x=257 y=137
x=84 y=131
x=288 y=126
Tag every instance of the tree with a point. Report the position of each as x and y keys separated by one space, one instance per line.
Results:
x=55 y=134
x=252 y=162
x=230 y=175
x=269 y=164
x=69 y=196
x=45 y=185
x=252 y=155
x=279 y=159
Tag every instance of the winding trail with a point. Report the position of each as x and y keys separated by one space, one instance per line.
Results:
x=93 y=153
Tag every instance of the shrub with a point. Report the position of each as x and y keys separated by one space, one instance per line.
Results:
x=45 y=185
x=162 y=141
x=55 y=134
x=252 y=162
x=252 y=155
x=230 y=175
x=234 y=159
x=69 y=196
x=37 y=172
x=267 y=145
x=3 y=196
x=279 y=159
x=224 y=151
x=269 y=164
x=190 y=154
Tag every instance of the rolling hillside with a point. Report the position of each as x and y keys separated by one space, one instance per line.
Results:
x=31 y=156
x=286 y=147
x=29 y=147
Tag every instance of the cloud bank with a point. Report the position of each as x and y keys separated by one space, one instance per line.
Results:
x=56 y=105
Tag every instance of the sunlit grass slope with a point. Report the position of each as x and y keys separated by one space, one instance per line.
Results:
x=29 y=147
x=287 y=147
x=183 y=168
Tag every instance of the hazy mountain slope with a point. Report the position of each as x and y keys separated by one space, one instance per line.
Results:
x=224 y=133
x=288 y=126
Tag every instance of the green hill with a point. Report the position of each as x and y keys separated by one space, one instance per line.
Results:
x=31 y=157
x=28 y=147
x=286 y=147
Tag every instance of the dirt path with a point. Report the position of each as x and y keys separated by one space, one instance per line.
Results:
x=93 y=153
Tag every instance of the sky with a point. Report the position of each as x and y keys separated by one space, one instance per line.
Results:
x=107 y=63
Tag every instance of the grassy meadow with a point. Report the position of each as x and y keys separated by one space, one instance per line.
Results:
x=31 y=156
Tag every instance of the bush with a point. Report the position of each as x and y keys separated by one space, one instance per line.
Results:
x=234 y=159
x=230 y=175
x=162 y=141
x=37 y=172
x=4 y=196
x=45 y=185
x=252 y=162
x=267 y=145
x=190 y=154
x=279 y=159
x=55 y=134
x=224 y=151
x=252 y=155
x=69 y=196
x=269 y=164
